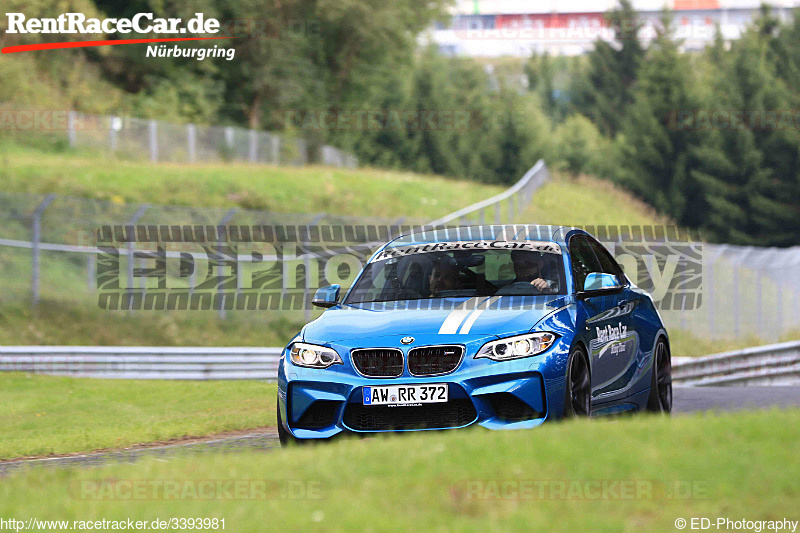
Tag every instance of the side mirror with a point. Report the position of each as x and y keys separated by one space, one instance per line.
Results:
x=600 y=282
x=326 y=296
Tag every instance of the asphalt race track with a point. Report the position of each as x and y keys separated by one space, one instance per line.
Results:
x=686 y=400
x=692 y=399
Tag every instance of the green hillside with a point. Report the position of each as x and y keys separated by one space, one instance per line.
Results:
x=359 y=192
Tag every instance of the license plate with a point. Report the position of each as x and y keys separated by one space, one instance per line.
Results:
x=405 y=394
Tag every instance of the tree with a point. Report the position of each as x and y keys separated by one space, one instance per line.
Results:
x=607 y=89
x=655 y=149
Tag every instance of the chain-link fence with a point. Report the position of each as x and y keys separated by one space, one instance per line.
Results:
x=48 y=250
x=161 y=141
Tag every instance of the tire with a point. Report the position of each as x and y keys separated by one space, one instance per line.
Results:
x=578 y=385
x=285 y=438
x=660 y=398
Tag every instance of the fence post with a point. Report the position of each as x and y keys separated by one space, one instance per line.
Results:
x=253 y=148
x=796 y=304
x=191 y=139
x=132 y=223
x=276 y=149
x=37 y=237
x=72 y=134
x=153 y=134
x=779 y=309
x=710 y=302
x=91 y=269
x=307 y=267
x=759 y=322
x=736 y=273
x=112 y=133
x=396 y=226
x=192 y=278
x=229 y=140
x=227 y=218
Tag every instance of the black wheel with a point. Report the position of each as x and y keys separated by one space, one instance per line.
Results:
x=660 y=399
x=284 y=436
x=578 y=399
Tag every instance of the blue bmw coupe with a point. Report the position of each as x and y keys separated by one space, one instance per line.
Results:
x=500 y=326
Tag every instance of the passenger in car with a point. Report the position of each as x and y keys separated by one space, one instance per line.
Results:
x=529 y=267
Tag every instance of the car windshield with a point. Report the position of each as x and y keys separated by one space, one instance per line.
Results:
x=460 y=273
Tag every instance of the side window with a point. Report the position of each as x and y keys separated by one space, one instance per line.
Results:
x=607 y=263
x=583 y=258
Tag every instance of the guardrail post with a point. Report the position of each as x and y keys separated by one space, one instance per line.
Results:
x=37 y=237
x=153 y=137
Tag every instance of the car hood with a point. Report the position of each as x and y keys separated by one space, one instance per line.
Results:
x=475 y=316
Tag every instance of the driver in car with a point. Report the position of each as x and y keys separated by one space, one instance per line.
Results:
x=444 y=277
x=529 y=268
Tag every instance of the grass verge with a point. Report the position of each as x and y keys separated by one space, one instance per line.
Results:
x=45 y=415
x=686 y=344
x=585 y=200
x=565 y=477
x=62 y=323
x=362 y=192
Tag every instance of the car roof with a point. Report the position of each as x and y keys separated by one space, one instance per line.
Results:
x=499 y=232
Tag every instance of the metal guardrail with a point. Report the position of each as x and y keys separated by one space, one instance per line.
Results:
x=518 y=195
x=114 y=362
x=774 y=364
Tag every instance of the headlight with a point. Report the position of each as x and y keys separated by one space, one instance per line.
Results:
x=313 y=356
x=517 y=347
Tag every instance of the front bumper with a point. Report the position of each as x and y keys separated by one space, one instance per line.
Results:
x=523 y=393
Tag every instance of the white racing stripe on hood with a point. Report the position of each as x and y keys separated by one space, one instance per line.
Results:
x=476 y=313
x=476 y=306
x=457 y=316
